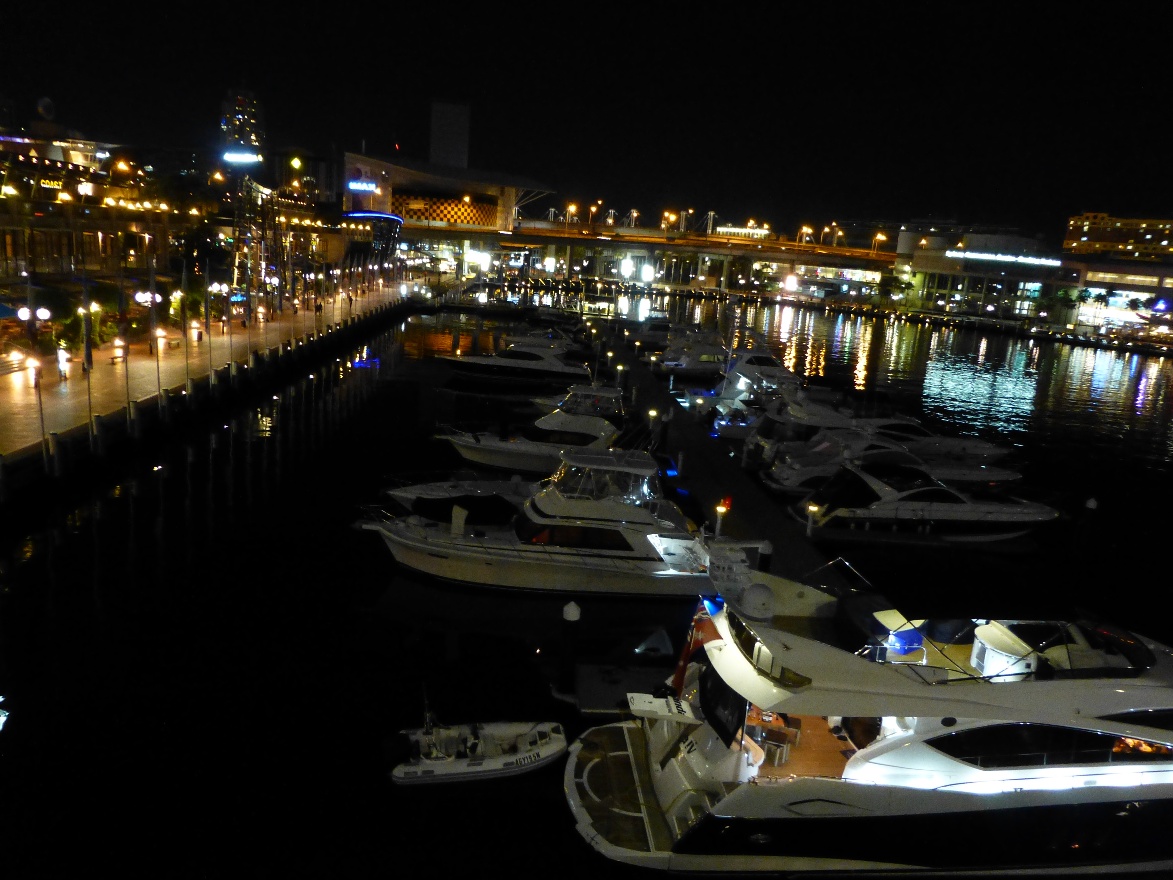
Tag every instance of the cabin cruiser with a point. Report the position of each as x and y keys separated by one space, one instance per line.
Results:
x=750 y=382
x=691 y=355
x=591 y=400
x=819 y=732
x=809 y=465
x=600 y=524
x=535 y=448
x=882 y=501
x=798 y=418
x=539 y=363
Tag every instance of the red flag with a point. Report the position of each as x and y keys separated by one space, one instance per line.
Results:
x=701 y=631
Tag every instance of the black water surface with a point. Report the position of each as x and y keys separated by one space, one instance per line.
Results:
x=205 y=662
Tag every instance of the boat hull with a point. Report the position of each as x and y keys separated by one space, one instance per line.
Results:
x=845 y=526
x=472 y=368
x=467 y=753
x=432 y=550
x=799 y=826
x=487 y=450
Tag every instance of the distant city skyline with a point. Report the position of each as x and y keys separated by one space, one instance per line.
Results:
x=853 y=119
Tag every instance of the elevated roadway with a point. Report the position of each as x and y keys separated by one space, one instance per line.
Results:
x=662 y=245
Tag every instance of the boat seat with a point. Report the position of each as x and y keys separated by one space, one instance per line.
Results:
x=777 y=753
x=794 y=724
x=778 y=743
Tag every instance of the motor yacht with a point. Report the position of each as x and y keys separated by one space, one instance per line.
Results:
x=536 y=363
x=535 y=448
x=799 y=418
x=599 y=524
x=809 y=465
x=880 y=501
x=592 y=400
x=751 y=380
x=817 y=732
x=691 y=355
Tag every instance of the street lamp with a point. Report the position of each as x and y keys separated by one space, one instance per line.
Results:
x=803 y=232
x=876 y=241
x=570 y=209
x=31 y=319
x=160 y=335
x=594 y=208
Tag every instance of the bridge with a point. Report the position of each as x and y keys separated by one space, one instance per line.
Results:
x=667 y=247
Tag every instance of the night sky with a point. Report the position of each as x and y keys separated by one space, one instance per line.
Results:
x=909 y=111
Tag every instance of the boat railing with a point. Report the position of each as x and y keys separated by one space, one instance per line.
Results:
x=374 y=514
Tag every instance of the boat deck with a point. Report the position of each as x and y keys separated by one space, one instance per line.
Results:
x=619 y=797
x=812 y=749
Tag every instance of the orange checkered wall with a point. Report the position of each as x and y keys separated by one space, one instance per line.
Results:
x=454 y=211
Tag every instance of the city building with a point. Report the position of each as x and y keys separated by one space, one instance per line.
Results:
x=274 y=227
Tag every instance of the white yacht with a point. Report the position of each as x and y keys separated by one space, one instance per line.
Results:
x=895 y=502
x=536 y=448
x=536 y=363
x=690 y=354
x=591 y=400
x=798 y=418
x=799 y=468
x=811 y=732
x=599 y=524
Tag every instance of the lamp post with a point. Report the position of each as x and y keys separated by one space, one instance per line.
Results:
x=876 y=241
x=122 y=350
x=160 y=335
x=35 y=366
x=803 y=232
x=87 y=323
x=570 y=209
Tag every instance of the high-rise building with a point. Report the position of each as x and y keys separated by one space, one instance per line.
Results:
x=242 y=122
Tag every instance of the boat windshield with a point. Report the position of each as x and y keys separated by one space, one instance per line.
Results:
x=633 y=487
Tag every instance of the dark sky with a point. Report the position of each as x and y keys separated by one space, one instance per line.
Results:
x=890 y=112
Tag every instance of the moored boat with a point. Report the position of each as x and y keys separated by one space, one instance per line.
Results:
x=883 y=501
x=600 y=524
x=536 y=448
x=534 y=363
x=477 y=750
x=818 y=732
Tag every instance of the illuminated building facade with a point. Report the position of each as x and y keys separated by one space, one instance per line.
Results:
x=1123 y=238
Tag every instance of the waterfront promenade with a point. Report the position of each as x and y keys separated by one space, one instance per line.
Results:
x=108 y=398
x=148 y=384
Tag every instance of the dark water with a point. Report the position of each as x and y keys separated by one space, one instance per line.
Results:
x=205 y=662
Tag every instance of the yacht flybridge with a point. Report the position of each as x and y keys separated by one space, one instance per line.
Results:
x=812 y=733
